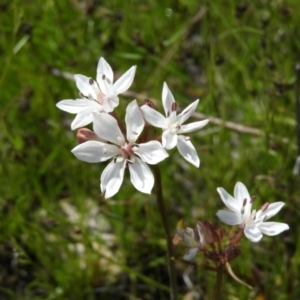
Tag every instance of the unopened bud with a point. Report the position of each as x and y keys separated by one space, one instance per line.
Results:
x=85 y=134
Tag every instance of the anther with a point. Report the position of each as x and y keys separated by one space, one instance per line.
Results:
x=245 y=202
x=252 y=199
x=265 y=207
x=103 y=76
x=174 y=106
x=91 y=81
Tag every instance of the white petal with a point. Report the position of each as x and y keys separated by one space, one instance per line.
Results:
x=252 y=233
x=187 y=150
x=74 y=106
x=84 y=86
x=167 y=99
x=233 y=204
x=241 y=192
x=187 y=112
x=141 y=176
x=104 y=68
x=189 y=240
x=272 y=210
x=110 y=102
x=272 y=228
x=112 y=178
x=169 y=140
x=191 y=254
x=151 y=152
x=94 y=151
x=85 y=117
x=153 y=117
x=106 y=88
x=125 y=81
x=106 y=127
x=229 y=217
x=134 y=121
x=192 y=126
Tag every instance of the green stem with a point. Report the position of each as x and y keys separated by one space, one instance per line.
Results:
x=218 y=288
x=164 y=218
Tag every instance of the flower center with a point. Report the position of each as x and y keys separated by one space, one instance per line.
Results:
x=174 y=128
x=127 y=152
x=100 y=97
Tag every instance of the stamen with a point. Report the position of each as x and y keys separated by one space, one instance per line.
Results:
x=245 y=202
x=252 y=199
x=115 y=159
x=168 y=114
x=91 y=81
x=174 y=106
x=103 y=77
x=265 y=207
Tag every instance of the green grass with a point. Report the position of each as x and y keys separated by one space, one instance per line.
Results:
x=59 y=239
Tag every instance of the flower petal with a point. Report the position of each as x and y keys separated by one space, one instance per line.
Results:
x=94 y=151
x=229 y=217
x=85 y=117
x=151 y=152
x=229 y=201
x=252 y=233
x=84 y=85
x=272 y=228
x=272 y=210
x=110 y=102
x=112 y=178
x=153 y=117
x=187 y=112
x=75 y=106
x=134 y=121
x=192 y=126
x=167 y=99
x=141 y=176
x=191 y=254
x=125 y=81
x=106 y=127
x=169 y=140
x=240 y=194
x=105 y=69
x=187 y=150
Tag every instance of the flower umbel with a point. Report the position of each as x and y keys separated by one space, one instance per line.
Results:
x=252 y=222
x=173 y=127
x=125 y=153
x=100 y=95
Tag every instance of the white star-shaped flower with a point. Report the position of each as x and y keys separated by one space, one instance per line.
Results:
x=124 y=152
x=193 y=238
x=100 y=95
x=173 y=127
x=253 y=222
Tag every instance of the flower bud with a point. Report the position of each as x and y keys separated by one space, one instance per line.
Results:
x=85 y=134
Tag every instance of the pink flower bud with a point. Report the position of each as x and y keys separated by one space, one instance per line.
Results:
x=85 y=134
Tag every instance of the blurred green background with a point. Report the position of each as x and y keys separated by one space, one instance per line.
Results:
x=59 y=238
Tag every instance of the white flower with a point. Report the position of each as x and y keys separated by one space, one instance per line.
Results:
x=194 y=239
x=100 y=95
x=254 y=223
x=172 y=125
x=124 y=153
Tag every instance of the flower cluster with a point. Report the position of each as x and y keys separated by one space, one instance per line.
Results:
x=98 y=100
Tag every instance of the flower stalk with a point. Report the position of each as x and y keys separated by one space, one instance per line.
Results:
x=164 y=217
